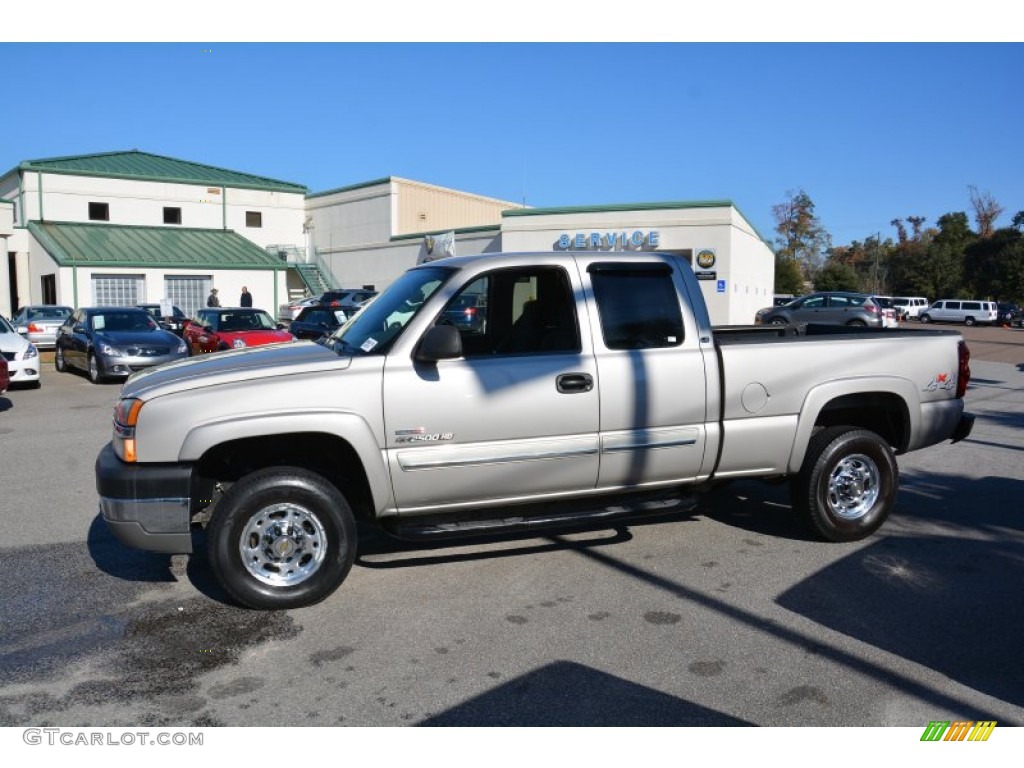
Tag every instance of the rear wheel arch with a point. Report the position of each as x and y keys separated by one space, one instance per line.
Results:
x=887 y=409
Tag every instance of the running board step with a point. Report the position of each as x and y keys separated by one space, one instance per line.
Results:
x=487 y=522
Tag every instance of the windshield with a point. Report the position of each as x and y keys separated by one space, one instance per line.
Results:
x=374 y=329
x=253 y=320
x=123 y=321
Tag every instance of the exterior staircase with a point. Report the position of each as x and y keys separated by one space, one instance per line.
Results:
x=313 y=277
x=314 y=274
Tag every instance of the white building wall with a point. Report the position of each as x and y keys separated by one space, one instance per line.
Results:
x=380 y=265
x=721 y=230
x=357 y=216
x=139 y=202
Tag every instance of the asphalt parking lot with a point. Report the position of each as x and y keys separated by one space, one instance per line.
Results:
x=724 y=616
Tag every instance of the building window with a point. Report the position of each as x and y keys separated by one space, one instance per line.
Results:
x=118 y=290
x=49 y=286
x=253 y=219
x=99 y=212
x=172 y=215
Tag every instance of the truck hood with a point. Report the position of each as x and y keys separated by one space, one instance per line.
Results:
x=234 y=366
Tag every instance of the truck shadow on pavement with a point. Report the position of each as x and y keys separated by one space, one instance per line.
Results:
x=565 y=694
x=939 y=585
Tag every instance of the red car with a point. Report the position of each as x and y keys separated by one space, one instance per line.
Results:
x=214 y=330
x=5 y=378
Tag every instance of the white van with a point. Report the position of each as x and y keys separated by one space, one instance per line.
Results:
x=966 y=311
x=910 y=306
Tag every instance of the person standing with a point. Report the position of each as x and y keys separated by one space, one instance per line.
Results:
x=246 y=300
x=212 y=300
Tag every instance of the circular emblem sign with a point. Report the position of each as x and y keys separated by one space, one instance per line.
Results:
x=706 y=259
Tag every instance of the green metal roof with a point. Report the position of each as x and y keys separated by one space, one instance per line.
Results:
x=618 y=207
x=111 y=245
x=350 y=187
x=134 y=164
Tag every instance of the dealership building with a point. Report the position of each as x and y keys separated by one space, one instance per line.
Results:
x=133 y=227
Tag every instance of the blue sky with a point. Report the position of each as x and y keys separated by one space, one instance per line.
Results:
x=870 y=131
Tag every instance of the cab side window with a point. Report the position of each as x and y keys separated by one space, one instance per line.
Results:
x=515 y=312
x=638 y=305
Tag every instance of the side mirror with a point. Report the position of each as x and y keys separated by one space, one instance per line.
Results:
x=441 y=342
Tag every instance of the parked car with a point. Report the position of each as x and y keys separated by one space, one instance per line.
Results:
x=347 y=299
x=290 y=310
x=109 y=342
x=911 y=305
x=216 y=329
x=316 y=321
x=39 y=323
x=1007 y=312
x=20 y=355
x=174 y=322
x=828 y=307
x=966 y=311
x=466 y=312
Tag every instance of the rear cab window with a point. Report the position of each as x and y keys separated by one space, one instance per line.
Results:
x=637 y=304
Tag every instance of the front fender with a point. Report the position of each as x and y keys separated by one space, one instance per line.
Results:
x=347 y=426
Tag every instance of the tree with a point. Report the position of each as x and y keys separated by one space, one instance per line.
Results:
x=788 y=278
x=836 y=276
x=801 y=237
x=986 y=211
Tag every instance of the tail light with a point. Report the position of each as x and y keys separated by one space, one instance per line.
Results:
x=33 y=328
x=470 y=311
x=871 y=308
x=963 y=374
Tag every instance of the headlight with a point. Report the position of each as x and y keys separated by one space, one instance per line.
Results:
x=109 y=350
x=30 y=352
x=126 y=416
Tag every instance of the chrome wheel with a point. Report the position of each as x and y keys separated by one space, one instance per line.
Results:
x=94 y=369
x=853 y=487
x=283 y=545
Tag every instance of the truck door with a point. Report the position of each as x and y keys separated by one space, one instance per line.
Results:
x=653 y=382
x=515 y=417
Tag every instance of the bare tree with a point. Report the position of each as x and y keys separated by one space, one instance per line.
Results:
x=986 y=211
x=916 y=222
x=901 y=230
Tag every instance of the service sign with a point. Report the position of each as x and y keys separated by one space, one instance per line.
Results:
x=609 y=241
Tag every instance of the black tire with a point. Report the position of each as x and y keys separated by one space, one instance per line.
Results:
x=857 y=324
x=95 y=370
x=847 y=484
x=968 y=321
x=59 y=363
x=924 y=318
x=779 y=321
x=303 y=561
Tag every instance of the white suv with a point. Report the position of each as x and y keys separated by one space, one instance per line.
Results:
x=966 y=311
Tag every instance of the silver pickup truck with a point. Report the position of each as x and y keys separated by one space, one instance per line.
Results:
x=500 y=392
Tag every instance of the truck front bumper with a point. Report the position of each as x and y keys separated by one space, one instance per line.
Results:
x=146 y=506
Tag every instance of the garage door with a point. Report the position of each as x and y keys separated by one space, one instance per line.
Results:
x=118 y=290
x=188 y=292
